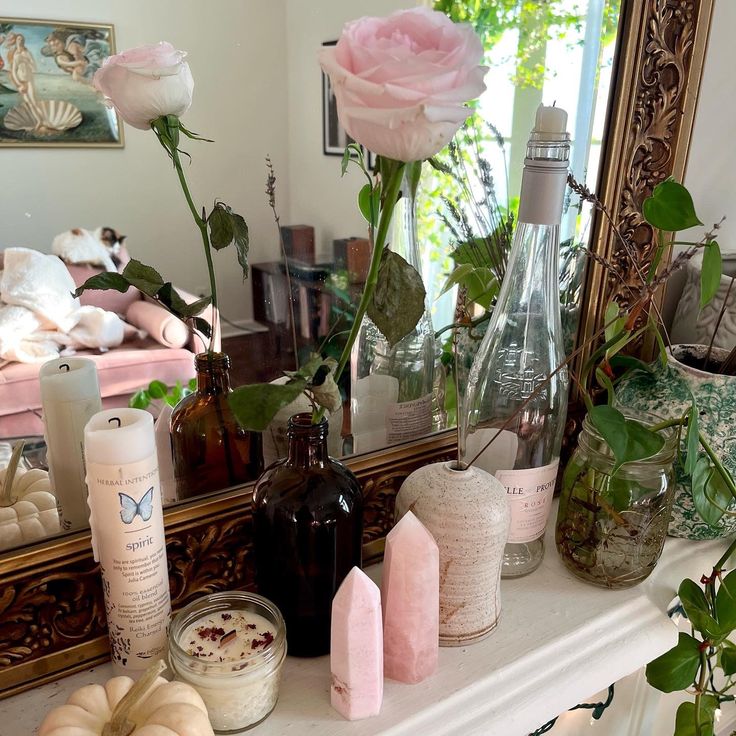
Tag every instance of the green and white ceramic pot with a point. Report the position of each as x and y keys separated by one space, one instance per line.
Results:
x=668 y=394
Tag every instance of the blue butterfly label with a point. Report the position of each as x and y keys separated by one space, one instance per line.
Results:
x=130 y=508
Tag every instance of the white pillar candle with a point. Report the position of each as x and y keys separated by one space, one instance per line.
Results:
x=70 y=395
x=550 y=119
x=128 y=534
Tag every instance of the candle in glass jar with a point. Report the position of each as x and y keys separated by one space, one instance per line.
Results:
x=70 y=396
x=230 y=647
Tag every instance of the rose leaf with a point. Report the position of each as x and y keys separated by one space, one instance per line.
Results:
x=398 y=300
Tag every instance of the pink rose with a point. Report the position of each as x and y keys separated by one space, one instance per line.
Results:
x=146 y=82
x=401 y=82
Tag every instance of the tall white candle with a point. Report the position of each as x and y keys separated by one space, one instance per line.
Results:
x=128 y=534
x=70 y=395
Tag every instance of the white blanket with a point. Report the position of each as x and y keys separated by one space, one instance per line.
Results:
x=39 y=316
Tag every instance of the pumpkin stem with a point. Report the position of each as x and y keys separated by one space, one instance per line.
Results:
x=119 y=725
x=5 y=498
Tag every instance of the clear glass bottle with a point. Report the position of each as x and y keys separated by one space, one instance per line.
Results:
x=391 y=387
x=308 y=530
x=522 y=346
x=211 y=450
x=611 y=527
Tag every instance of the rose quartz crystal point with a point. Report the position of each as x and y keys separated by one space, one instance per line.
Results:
x=411 y=601
x=356 y=649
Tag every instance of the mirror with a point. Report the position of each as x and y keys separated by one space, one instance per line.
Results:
x=247 y=83
x=558 y=52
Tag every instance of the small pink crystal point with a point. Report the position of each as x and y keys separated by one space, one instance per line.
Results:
x=356 y=650
x=411 y=601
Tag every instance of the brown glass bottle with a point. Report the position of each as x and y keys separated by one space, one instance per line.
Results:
x=211 y=450
x=308 y=519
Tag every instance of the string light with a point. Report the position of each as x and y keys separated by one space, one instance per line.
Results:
x=598 y=710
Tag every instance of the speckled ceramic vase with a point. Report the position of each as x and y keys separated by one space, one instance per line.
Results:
x=467 y=513
x=666 y=393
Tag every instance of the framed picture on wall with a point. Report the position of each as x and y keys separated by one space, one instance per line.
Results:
x=334 y=137
x=46 y=92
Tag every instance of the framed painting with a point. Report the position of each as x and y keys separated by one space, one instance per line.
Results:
x=334 y=137
x=46 y=92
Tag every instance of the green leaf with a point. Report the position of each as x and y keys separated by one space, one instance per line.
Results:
x=398 y=300
x=692 y=597
x=630 y=364
x=692 y=439
x=629 y=440
x=143 y=277
x=221 y=226
x=675 y=669
x=613 y=324
x=104 y=282
x=670 y=208
x=726 y=602
x=256 y=405
x=345 y=161
x=242 y=242
x=170 y=298
x=157 y=389
x=203 y=326
x=139 y=400
x=708 y=496
x=195 y=308
x=685 y=718
x=192 y=385
x=728 y=658
x=710 y=273
x=369 y=203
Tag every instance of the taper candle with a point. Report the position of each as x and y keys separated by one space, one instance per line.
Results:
x=70 y=396
x=128 y=534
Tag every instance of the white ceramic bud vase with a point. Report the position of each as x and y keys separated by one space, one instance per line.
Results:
x=467 y=513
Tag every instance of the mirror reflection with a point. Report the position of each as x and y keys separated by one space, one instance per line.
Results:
x=257 y=95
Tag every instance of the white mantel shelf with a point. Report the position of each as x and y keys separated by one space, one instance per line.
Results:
x=558 y=642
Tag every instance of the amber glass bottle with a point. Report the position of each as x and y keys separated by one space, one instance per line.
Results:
x=211 y=450
x=308 y=519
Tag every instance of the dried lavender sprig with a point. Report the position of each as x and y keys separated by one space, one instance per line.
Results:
x=271 y=192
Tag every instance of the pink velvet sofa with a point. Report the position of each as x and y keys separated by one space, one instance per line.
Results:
x=122 y=371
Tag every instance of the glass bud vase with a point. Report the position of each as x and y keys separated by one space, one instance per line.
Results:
x=611 y=527
x=308 y=522
x=391 y=387
x=211 y=450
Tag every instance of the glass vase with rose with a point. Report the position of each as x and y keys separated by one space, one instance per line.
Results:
x=151 y=87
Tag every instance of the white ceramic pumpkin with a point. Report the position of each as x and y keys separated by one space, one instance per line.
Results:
x=27 y=507
x=152 y=706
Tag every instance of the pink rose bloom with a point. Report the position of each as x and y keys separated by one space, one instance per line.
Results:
x=401 y=82
x=146 y=82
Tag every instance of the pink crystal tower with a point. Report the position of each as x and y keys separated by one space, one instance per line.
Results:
x=356 y=651
x=411 y=601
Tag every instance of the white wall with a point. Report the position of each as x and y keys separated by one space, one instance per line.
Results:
x=237 y=55
x=318 y=195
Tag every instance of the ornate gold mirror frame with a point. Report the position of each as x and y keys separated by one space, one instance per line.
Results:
x=52 y=619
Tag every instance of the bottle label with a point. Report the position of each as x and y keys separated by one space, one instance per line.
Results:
x=128 y=539
x=529 y=493
x=408 y=420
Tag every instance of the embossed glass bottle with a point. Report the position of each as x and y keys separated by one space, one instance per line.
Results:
x=392 y=386
x=507 y=398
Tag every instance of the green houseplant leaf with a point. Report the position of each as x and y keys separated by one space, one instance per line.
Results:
x=629 y=440
x=256 y=405
x=726 y=602
x=670 y=208
x=710 y=495
x=675 y=669
x=693 y=442
x=398 y=300
x=710 y=273
x=728 y=658
x=685 y=718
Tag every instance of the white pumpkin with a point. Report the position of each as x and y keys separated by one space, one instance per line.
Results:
x=27 y=507
x=121 y=707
